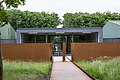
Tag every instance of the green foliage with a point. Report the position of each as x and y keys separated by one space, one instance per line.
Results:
x=27 y=19
x=13 y=3
x=4 y=17
x=83 y=20
x=56 y=39
x=102 y=69
x=59 y=39
x=19 y=70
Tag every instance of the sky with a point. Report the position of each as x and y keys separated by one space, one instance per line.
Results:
x=63 y=6
x=71 y=6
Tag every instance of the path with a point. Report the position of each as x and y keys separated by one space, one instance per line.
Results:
x=67 y=71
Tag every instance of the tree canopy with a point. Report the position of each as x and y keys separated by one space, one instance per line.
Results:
x=83 y=20
x=4 y=16
x=14 y=3
x=27 y=19
x=11 y=3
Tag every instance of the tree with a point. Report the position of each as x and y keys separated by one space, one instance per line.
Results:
x=1 y=66
x=4 y=18
x=27 y=19
x=83 y=20
x=11 y=3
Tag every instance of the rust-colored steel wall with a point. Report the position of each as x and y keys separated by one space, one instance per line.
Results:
x=90 y=51
x=64 y=51
x=27 y=52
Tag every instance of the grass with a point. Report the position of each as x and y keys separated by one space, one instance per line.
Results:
x=19 y=70
x=102 y=69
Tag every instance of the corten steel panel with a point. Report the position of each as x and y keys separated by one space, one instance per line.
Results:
x=27 y=52
x=88 y=51
x=64 y=51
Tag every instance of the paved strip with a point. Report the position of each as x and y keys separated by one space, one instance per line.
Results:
x=67 y=71
x=60 y=58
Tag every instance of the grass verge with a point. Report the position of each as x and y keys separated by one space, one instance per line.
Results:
x=19 y=70
x=102 y=69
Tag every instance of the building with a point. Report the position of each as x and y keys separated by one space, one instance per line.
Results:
x=111 y=31
x=7 y=34
x=44 y=35
x=58 y=36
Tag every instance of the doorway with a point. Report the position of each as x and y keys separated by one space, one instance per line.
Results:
x=61 y=48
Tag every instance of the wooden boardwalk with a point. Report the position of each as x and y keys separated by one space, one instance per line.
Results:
x=67 y=71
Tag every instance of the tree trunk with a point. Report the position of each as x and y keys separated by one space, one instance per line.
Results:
x=1 y=66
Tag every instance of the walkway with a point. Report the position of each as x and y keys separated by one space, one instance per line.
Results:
x=67 y=71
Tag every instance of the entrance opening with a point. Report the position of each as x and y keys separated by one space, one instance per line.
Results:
x=59 y=49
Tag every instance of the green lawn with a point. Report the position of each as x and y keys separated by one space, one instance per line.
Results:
x=102 y=69
x=19 y=70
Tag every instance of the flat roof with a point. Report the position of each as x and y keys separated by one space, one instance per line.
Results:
x=58 y=30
